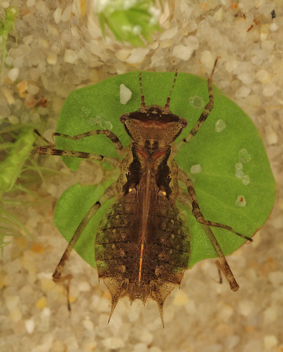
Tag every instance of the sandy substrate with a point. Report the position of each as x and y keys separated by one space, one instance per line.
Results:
x=55 y=54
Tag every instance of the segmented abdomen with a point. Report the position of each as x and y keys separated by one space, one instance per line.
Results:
x=118 y=249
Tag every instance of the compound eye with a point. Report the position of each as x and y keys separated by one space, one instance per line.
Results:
x=124 y=118
x=183 y=122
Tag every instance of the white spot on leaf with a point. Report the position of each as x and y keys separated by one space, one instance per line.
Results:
x=244 y=156
x=240 y=201
x=196 y=102
x=220 y=125
x=246 y=180
x=239 y=173
x=196 y=169
x=125 y=94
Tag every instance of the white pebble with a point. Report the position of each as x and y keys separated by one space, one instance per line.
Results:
x=71 y=56
x=42 y=111
x=5 y=4
x=9 y=95
x=184 y=52
x=240 y=201
x=28 y=39
x=207 y=59
x=33 y=89
x=51 y=58
x=88 y=324
x=220 y=125
x=122 y=54
x=146 y=337
x=270 y=341
x=53 y=190
x=46 y=312
x=170 y=33
x=125 y=94
x=246 y=180
x=271 y=136
x=245 y=307
x=196 y=169
x=103 y=305
x=4 y=112
x=270 y=89
x=113 y=343
x=274 y=27
x=268 y=46
x=243 y=92
x=137 y=56
x=18 y=62
x=244 y=156
x=57 y=15
x=84 y=286
x=66 y=15
x=181 y=298
x=13 y=119
x=231 y=66
x=14 y=74
x=52 y=30
x=30 y=325
x=262 y=76
x=218 y=16
x=264 y=31
x=246 y=78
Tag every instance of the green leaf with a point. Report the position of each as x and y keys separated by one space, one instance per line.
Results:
x=216 y=186
x=129 y=22
x=6 y=25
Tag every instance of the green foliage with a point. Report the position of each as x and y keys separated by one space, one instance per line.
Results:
x=11 y=169
x=7 y=23
x=217 y=186
x=132 y=21
x=17 y=172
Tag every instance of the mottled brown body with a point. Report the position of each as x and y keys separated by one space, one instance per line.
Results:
x=142 y=246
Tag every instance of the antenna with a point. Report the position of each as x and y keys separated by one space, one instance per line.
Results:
x=167 y=105
x=142 y=95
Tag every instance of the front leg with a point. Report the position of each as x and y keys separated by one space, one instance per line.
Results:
x=206 y=111
x=50 y=149
x=110 y=135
